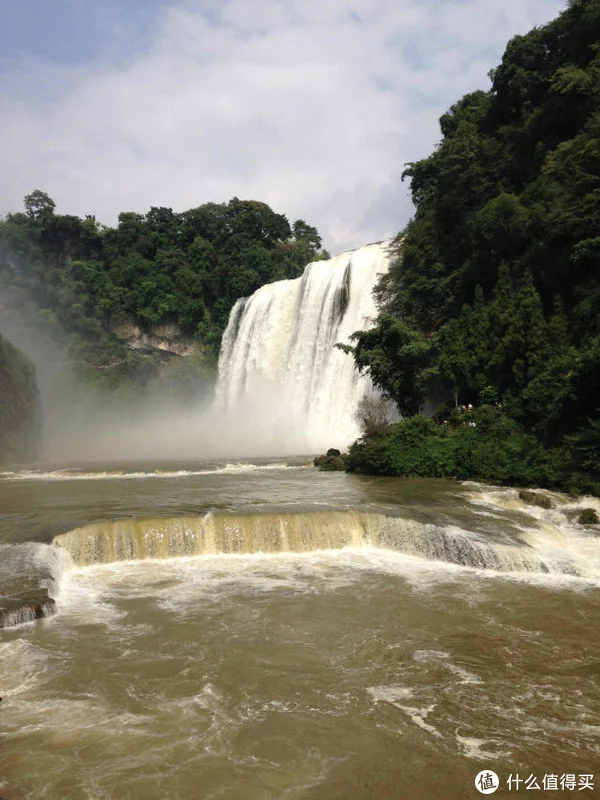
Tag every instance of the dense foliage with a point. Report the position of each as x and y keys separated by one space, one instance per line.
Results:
x=494 y=296
x=162 y=267
x=482 y=444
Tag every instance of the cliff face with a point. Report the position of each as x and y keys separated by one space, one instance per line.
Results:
x=166 y=339
x=19 y=405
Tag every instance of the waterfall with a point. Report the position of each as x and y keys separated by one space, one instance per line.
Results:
x=302 y=532
x=279 y=369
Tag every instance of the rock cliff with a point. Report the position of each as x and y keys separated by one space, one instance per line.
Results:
x=165 y=339
x=19 y=405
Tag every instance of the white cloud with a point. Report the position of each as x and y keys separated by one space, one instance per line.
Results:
x=311 y=107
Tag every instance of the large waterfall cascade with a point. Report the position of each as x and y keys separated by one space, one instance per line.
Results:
x=279 y=368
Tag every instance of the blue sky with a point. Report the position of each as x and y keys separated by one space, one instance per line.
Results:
x=72 y=32
x=312 y=107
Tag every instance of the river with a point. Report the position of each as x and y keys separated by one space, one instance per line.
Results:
x=259 y=630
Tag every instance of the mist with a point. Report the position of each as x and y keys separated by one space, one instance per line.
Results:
x=88 y=427
x=284 y=388
x=81 y=423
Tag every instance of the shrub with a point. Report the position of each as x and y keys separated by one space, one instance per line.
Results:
x=476 y=444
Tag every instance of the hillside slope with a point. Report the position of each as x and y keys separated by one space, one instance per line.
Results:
x=494 y=297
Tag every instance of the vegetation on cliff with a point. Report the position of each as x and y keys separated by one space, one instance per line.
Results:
x=481 y=444
x=185 y=269
x=494 y=295
x=19 y=408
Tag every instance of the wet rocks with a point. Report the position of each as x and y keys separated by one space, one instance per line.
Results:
x=535 y=498
x=588 y=516
x=333 y=461
x=18 y=611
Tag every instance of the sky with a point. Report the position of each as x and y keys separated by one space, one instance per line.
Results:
x=312 y=106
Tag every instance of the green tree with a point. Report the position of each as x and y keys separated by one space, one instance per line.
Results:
x=187 y=268
x=393 y=355
x=38 y=205
x=497 y=277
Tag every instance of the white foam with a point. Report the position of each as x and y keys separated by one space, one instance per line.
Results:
x=187 y=580
x=25 y=665
x=464 y=674
x=394 y=695
x=390 y=694
x=474 y=748
x=85 y=592
x=179 y=584
x=430 y=655
x=84 y=600
x=72 y=475
x=563 y=544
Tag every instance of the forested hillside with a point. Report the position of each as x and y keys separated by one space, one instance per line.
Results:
x=186 y=269
x=494 y=297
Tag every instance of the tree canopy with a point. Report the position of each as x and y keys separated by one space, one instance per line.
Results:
x=494 y=292
x=186 y=268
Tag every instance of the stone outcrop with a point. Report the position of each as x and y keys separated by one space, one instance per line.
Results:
x=28 y=581
x=20 y=421
x=588 y=516
x=535 y=498
x=333 y=461
x=18 y=611
x=165 y=339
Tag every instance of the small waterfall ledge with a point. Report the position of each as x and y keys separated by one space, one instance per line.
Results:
x=33 y=571
x=279 y=368
x=304 y=532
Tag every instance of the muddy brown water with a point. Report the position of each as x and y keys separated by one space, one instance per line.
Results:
x=260 y=630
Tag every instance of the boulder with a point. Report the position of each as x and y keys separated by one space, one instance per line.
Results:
x=331 y=463
x=17 y=613
x=535 y=498
x=588 y=516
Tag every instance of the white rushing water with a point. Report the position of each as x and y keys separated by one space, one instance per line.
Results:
x=279 y=367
